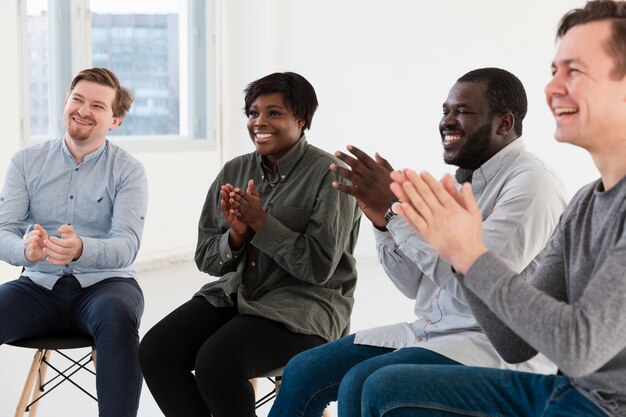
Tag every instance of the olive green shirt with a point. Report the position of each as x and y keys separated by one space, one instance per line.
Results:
x=298 y=268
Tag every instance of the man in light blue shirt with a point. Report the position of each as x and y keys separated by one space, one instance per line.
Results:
x=72 y=213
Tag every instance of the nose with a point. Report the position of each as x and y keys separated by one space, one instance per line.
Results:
x=556 y=86
x=447 y=120
x=260 y=120
x=83 y=109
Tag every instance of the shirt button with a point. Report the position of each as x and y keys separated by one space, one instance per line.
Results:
x=253 y=264
x=282 y=177
x=418 y=339
x=221 y=263
x=228 y=256
x=71 y=197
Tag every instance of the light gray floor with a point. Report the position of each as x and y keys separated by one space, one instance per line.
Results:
x=376 y=303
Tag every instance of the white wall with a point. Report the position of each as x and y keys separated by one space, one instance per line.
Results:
x=9 y=105
x=381 y=70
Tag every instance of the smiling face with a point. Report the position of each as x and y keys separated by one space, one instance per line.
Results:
x=588 y=105
x=467 y=126
x=272 y=127
x=88 y=114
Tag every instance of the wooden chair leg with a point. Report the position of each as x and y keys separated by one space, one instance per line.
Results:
x=29 y=384
x=43 y=370
x=93 y=356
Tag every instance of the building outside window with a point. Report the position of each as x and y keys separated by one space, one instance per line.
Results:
x=138 y=40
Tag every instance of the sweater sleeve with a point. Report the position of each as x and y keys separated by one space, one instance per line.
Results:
x=578 y=337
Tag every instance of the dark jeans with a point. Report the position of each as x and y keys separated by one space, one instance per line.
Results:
x=110 y=311
x=447 y=391
x=197 y=361
x=337 y=371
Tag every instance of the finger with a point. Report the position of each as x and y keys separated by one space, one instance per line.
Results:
x=470 y=201
x=434 y=192
x=450 y=187
x=66 y=231
x=423 y=205
x=398 y=176
x=412 y=217
x=345 y=173
x=362 y=156
x=398 y=191
x=383 y=162
x=57 y=244
x=56 y=258
x=251 y=189
x=350 y=161
x=344 y=188
x=41 y=230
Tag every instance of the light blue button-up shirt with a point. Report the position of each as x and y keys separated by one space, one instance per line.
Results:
x=521 y=200
x=104 y=198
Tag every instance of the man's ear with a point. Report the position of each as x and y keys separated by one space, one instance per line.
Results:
x=507 y=121
x=116 y=122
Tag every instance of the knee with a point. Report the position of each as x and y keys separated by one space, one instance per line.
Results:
x=375 y=389
x=148 y=349
x=113 y=316
x=301 y=364
x=352 y=383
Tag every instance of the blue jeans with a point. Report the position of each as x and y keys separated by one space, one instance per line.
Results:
x=446 y=391
x=336 y=371
x=109 y=310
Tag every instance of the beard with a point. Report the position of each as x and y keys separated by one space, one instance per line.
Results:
x=473 y=152
x=77 y=131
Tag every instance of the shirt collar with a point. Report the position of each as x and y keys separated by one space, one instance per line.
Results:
x=490 y=168
x=286 y=163
x=91 y=156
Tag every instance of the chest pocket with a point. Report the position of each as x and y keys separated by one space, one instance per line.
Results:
x=295 y=218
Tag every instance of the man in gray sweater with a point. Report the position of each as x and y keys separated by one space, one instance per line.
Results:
x=574 y=308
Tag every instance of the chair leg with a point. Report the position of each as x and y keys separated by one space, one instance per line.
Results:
x=29 y=384
x=37 y=389
x=93 y=356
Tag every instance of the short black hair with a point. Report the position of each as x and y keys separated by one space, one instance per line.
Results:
x=298 y=93
x=597 y=10
x=505 y=93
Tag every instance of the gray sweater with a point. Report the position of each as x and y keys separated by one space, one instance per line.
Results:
x=574 y=311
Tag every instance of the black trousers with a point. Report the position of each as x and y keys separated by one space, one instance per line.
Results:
x=197 y=361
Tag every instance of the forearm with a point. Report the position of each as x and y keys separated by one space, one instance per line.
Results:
x=509 y=345
x=402 y=272
x=578 y=337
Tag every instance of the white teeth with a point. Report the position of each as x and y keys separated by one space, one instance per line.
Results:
x=563 y=110
x=451 y=138
x=264 y=135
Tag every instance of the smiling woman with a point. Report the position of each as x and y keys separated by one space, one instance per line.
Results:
x=282 y=241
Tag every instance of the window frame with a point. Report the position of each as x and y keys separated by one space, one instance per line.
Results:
x=70 y=24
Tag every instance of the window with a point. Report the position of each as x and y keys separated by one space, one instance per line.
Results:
x=146 y=43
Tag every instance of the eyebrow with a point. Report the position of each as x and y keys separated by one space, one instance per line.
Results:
x=461 y=104
x=569 y=62
x=95 y=101
x=270 y=107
